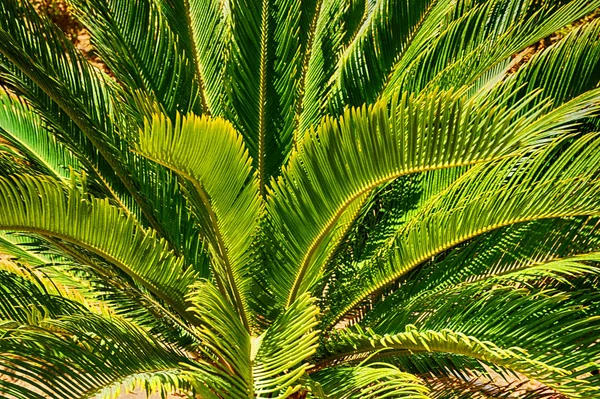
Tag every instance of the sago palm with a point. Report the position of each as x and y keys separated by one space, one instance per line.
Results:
x=301 y=198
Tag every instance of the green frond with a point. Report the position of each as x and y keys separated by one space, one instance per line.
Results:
x=561 y=273
x=377 y=380
x=449 y=341
x=142 y=189
x=289 y=54
x=520 y=309
x=379 y=220
x=367 y=147
x=515 y=247
x=356 y=17
x=73 y=97
x=386 y=33
x=128 y=36
x=163 y=382
x=204 y=33
x=249 y=64
x=247 y=367
x=24 y=129
x=87 y=111
x=41 y=206
x=26 y=300
x=161 y=190
x=320 y=59
x=41 y=51
x=105 y=289
x=227 y=345
x=30 y=258
x=212 y=156
x=282 y=350
x=100 y=286
x=480 y=38
x=12 y=245
x=238 y=199
x=489 y=197
x=566 y=68
x=80 y=356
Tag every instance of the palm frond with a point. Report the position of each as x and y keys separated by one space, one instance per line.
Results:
x=76 y=98
x=481 y=37
x=26 y=300
x=283 y=349
x=504 y=250
x=489 y=197
x=40 y=206
x=371 y=146
x=80 y=356
x=523 y=310
x=204 y=33
x=24 y=129
x=377 y=380
x=227 y=345
x=324 y=43
x=565 y=69
x=379 y=220
x=414 y=339
x=232 y=209
x=128 y=36
x=15 y=247
x=263 y=367
x=387 y=32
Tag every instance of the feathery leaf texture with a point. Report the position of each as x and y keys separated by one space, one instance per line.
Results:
x=42 y=206
x=301 y=199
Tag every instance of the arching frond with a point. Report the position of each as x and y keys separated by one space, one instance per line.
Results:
x=262 y=367
x=564 y=70
x=520 y=309
x=480 y=38
x=449 y=341
x=282 y=350
x=379 y=220
x=374 y=380
x=387 y=32
x=79 y=356
x=369 y=147
x=26 y=301
x=24 y=129
x=77 y=98
x=515 y=247
x=218 y=166
x=204 y=33
x=324 y=43
x=37 y=205
x=128 y=36
x=489 y=197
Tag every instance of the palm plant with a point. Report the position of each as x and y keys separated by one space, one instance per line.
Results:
x=301 y=198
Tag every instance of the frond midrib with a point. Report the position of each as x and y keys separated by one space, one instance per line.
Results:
x=389 y=280
x=149 y=286
x=333 y=220
x=304 y=69
x=195 y=60
x=264 y=37
x=204 y=197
